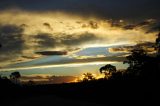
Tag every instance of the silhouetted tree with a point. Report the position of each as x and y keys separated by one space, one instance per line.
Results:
x=141 y=65
x=88 y=77
x=15 y=76
x=136 y=59
x=117 y=76
x=108 y=69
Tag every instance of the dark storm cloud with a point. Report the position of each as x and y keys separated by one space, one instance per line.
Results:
x=13 y=44
x=73 y=40
x=116 y=9
x=11 y=41
x=45 y=40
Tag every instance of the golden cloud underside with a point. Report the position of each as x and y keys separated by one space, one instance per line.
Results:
x=63 y=31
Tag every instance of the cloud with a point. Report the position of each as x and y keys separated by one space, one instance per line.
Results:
x=76 y=60
x=116 y=9
x=11 y=40
x=90 y=24
x=75 y=40
x=120 y=50
x=154 y=28
x=30 y=57
x=146 y=24
x=34 y=77
x=62 y=79
x=29 y=32
x=49 y=42
x=147 y=46
x=46 y=78
x=47 y=25
x=45 y=40
x=129 y=27
x=47 y=53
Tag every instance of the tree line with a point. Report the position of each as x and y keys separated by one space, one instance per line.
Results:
x=142 y=66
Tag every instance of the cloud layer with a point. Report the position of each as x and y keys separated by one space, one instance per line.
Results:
x=117 y=9
x=43 y=79
x=29 y=32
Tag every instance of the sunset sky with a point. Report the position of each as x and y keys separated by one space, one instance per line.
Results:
x=67 y=38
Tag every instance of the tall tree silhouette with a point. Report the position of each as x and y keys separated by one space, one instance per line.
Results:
x=15 y=77
x=141 y=65
x=108 y=70
x=136 y=58
x=136 y=61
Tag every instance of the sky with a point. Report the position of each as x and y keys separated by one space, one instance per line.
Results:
x=70 y=37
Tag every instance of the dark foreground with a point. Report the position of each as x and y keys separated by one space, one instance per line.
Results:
x=93 y=93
